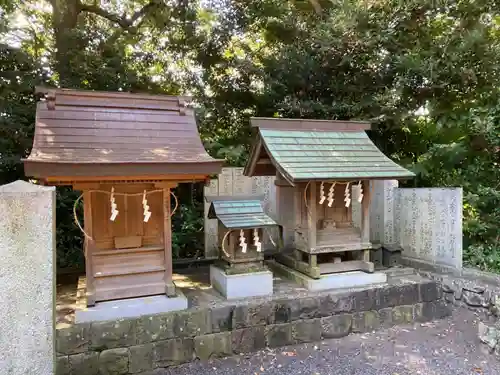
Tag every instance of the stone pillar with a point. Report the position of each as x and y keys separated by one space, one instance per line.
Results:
x=27 y=279
x=382 y=226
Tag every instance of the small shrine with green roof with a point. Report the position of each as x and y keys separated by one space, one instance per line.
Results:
x=321 y=163
x=242 y=225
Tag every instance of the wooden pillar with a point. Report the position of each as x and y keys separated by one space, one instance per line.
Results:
x=311 y=216
x=297 y=212
x=313 y=260
x=89 y=247
x=365 y=218
x=167 y=241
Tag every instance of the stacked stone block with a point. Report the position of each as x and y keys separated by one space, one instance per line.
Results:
x=141 y=345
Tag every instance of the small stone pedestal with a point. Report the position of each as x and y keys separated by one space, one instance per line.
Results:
x=391 y=255
x=132 y=308
x=242 y=285
x=340 y=280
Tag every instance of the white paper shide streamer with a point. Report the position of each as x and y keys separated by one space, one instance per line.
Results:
x=243 y=243
x=347 y=195
x=114 y=211
x=322 y=196
x=256 y=240
x=145 y=206
x=331 y=197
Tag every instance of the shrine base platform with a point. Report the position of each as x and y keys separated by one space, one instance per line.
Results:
x=341 y=280
x=132 y=308
x=254 y=284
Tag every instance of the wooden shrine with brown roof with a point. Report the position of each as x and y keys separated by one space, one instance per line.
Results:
x=321 y=161
x=125 y=152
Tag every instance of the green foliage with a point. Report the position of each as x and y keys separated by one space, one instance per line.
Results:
x=188 y=221
x=425 y=73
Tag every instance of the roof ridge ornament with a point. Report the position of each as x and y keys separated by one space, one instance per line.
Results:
x=183 y=104
x=50 y=97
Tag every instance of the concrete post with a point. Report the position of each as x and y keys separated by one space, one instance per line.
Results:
x=27 y=279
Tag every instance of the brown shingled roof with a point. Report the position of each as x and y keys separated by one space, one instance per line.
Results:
x=103 y=134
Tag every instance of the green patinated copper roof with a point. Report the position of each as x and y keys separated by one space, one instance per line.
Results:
x=240 y=214
x=343 y=151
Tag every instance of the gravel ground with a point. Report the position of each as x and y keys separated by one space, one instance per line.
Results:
x=446 y=347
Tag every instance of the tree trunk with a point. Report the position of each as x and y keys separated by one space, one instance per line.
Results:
x=64 y=20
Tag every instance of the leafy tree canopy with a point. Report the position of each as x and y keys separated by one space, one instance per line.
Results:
x=425 y=73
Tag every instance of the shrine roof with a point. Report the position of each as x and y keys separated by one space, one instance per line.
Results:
x=240 y=214
x=82 y=134
x=304 y=150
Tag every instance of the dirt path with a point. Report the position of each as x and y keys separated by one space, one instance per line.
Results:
x=447 y=347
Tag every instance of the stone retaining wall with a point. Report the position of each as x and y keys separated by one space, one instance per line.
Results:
x=142 y=345
x=473 y=290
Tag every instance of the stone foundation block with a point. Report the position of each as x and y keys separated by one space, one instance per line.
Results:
x=214 y=345
x=282 y=312
x=113 y=362
x=402 y=315
x=336 y=304
x=430 y=291
x=192 y=323
x=364 y=300
x=247 y=340
x=173 y=352
x=279 y=335
x=62 y=365
x=155 y=328
x=305 y=308
x=113 y=334
x=141 y=358
x=365 y=321
x=397 y=295
x=253 y=315
x=337 y=326
x=306 y=331
x=84 y=363
x=131 y=308
x=245 y=285
x=222 y=318
x=74 y=339
x=428 y=311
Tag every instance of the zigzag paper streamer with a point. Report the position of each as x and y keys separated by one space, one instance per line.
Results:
x=147 y=213
x=242 y=242
x=331 y=197
x=256 y=240
x=347 y=195
x=322 y=193
x=114 y=211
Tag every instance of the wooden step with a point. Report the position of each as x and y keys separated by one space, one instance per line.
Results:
x=130 y=271
x=129 y=251
x=130 y=291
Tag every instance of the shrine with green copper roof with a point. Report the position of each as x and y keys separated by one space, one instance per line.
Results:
x=240 y=214
x=303 y=150
x=323 y=168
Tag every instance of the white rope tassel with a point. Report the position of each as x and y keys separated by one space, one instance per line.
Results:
x=322 y=196
x=360 y=197
x=331 y=197
x=114 y=211
x=243 y=244
x=147 y=213
x=256 y=240
x=347 y=195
